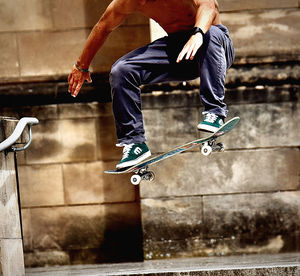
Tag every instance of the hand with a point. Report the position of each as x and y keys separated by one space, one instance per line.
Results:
x=191 y=47
x=76 y=80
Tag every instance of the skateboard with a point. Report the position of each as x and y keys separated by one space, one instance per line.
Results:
x=209 y=145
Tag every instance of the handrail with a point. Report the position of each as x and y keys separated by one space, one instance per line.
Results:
x=7 y=143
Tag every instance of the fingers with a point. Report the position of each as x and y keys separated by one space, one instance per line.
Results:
x=182 y=53
x=71 y=81
x=76 y=80
x=194 y=53
x=72 y=85
x=89 y=79
x=190 y=48
x=77 y=89
x=75 y=84
x=188 y=52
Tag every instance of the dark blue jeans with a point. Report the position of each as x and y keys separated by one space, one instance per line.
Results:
x=156 y=62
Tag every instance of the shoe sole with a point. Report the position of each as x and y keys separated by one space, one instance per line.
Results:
x=134 y=162
x=207 y=128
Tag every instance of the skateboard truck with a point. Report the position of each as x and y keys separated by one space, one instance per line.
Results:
x=142 y=174
x=211 y=146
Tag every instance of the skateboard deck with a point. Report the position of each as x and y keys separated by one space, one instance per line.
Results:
x=208 y=145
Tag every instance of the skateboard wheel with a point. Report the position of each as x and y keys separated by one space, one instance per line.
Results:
x=135 y=179
x=206 y=150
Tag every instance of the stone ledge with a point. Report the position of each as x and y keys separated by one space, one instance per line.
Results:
x=275 y=265
x=264 y=81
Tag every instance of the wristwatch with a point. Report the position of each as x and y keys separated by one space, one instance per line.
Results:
x=197 y=30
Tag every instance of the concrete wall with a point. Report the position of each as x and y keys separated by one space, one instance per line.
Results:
x=73 y=213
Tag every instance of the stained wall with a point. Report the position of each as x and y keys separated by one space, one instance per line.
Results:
x=242 y=201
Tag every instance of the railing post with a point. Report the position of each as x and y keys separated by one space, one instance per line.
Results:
x=11 y=244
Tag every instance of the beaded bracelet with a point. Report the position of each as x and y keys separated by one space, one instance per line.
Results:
x=80 y=69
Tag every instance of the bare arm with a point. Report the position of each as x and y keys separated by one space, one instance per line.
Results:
x=206 y=13
x=114 y=15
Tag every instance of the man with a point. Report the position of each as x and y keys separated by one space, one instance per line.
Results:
x=197 y=45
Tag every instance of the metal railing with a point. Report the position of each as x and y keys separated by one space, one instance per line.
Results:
x=8 y=143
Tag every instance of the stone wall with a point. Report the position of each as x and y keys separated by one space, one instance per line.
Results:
x=73 y=213
x=267 y=30
x=243 y=201
x=42 y=39
x=11 y=248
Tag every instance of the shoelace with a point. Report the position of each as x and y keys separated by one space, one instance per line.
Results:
x=210 y=117
x=126 y=150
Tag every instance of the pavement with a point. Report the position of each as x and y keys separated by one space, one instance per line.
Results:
x=279 y=264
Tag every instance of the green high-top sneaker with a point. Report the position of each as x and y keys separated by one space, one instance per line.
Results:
x=133 y=154
x=211 y=122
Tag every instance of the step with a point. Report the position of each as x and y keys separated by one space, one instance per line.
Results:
x=279 y=264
